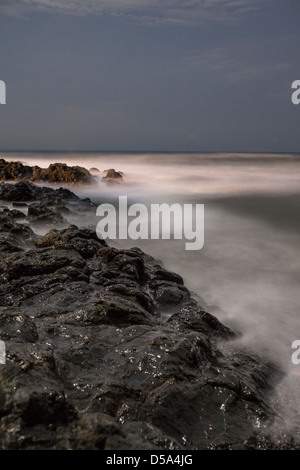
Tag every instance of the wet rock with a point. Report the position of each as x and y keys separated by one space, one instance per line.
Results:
x=18 y=326
x=106 y=349
x=99 y=431
x=85 y=241
x=40 y=262
x=111 y=309
x=170 y=294
x=14 y=237
x=20 y=204
x=62 y=209
x=55 y=173
x=48 y=207
x=17 y=192
x=16 y=214
x=39 y=214
x=94 y=429
x=60 y=172
x=113 y=176
x=26 y=191
x=14 y=170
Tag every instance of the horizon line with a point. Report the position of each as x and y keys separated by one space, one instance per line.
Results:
x=149 y=151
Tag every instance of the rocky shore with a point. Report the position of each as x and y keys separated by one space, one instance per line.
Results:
x=106 y=349
x=55 y=173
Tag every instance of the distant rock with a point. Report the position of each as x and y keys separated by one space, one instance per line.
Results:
x=55 y=173
x=60 y=172
x=93 y=170
x=113 y=176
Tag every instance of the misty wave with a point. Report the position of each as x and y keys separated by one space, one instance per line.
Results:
x=182 y=174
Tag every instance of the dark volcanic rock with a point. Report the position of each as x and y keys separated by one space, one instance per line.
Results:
x=84 y=240
x=55 y=173
x=19 y=192
x=14 y=170
x=16 y=214
x=47 y=207
x=60 y=172
x=25 y=191
x=113 y=176
x=39 y=214
x=20 y=204
x=108 y=350
x=14 y=237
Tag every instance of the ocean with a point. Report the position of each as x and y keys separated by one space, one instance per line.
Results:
x=248 y=271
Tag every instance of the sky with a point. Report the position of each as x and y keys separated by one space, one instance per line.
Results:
x=150 y=75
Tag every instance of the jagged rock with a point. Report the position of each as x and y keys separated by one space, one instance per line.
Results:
x=20 y=204
x=106 y=349
x=25 y=191
x=55 y=173
x=60 y=172
x=19 y=327
x=49 y=206
x=14 y=237
x=14 y=170
x=113 y=176
x=16 y=214
x=39 y=214
x=84 y=240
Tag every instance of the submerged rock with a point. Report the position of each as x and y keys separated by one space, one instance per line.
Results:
x=60 y=172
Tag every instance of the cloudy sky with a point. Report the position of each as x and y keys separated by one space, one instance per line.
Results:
x=156 y=75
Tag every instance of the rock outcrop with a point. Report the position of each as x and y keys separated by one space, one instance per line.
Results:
x=22 y=193
x=106 y=349
x=55 y=173
x=113 y=176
